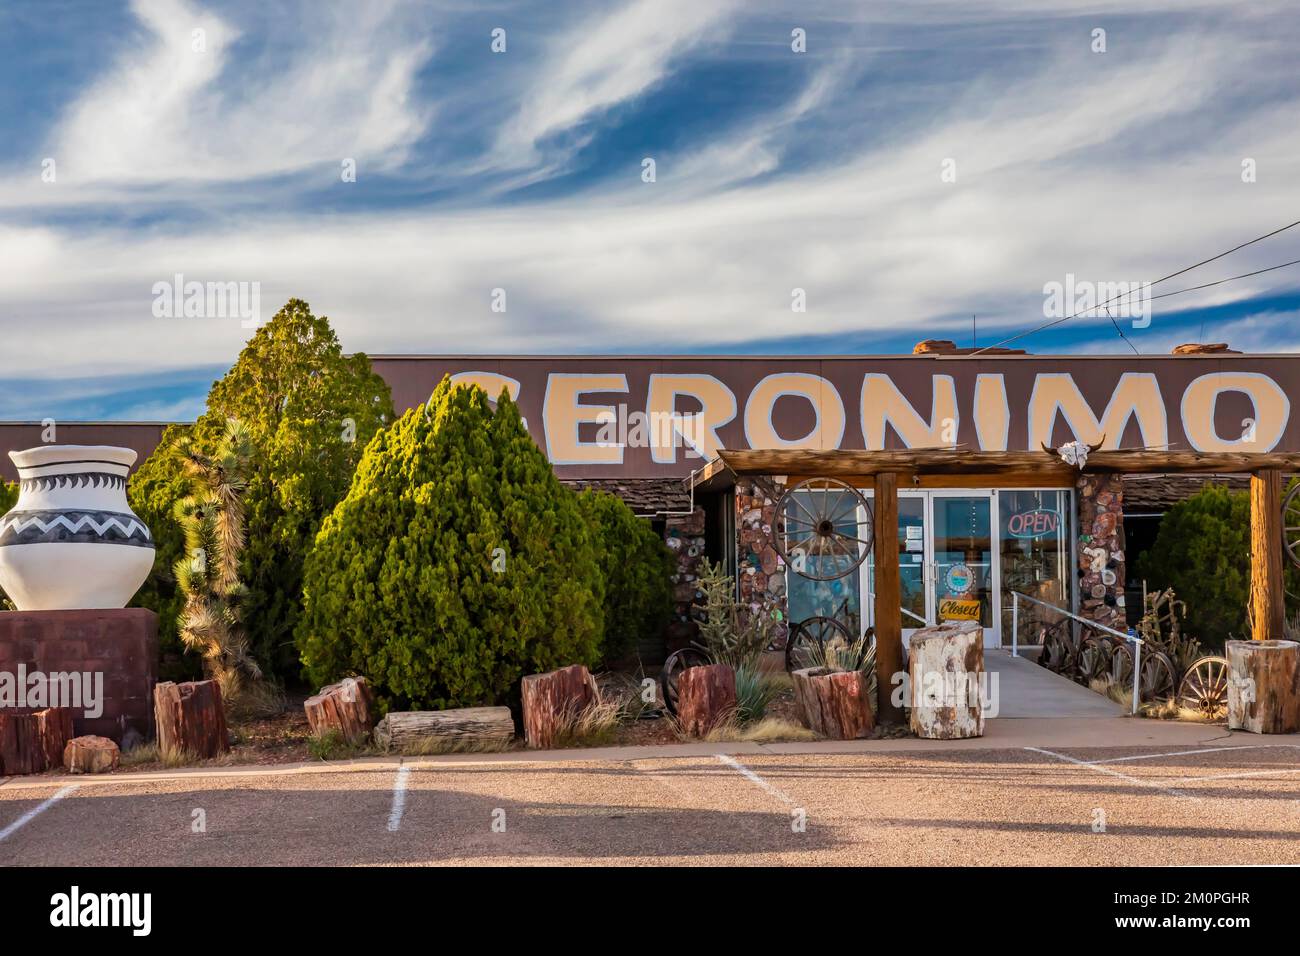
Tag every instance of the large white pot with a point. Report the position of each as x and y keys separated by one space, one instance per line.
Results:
x=72 y=541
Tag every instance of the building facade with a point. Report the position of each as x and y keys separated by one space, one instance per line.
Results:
x=642 y=426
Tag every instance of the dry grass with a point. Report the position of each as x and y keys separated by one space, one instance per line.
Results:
x=1108 y=688
x=766 y=731
x=596 y=725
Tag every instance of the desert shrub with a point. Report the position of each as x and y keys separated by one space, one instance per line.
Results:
x=456 y=564
x=730 y=632
x=636 y=569
x=755 y=690
x=1202 y=551
x=310 y=410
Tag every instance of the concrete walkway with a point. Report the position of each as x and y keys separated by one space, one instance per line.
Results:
x=1027 y=690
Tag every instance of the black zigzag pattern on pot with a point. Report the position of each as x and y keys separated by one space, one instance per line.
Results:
x=73 y=527
x=85 y=479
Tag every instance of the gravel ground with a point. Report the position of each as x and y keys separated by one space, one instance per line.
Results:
x=1010 y=807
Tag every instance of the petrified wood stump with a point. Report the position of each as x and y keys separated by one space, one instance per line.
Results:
x=191 y=719
x=32 y=741
x=437 y=731
x=944 y=665
x=90 y=754
x=834 y=704
x=706 y=697
x=345 y=707
x=1263 y=686
x=554 y=699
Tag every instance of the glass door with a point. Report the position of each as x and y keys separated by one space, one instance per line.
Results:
x=963 y=570
x=913 y=564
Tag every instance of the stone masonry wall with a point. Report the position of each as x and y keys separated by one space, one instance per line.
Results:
x=760 y=572
x=1101 y=549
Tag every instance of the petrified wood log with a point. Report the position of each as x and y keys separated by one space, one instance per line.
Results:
x=90 y=754
x=190 y=718
x=346 y=707
x=31 y=741
x=706 y=696
x=944 y=668
x=834 y=704
x=553 y=700
x=1264 y=686
x=437 y=731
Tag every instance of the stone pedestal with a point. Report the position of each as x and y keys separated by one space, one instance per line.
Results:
x=118 y=648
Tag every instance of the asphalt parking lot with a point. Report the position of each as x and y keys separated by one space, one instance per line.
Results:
x=1073 y=806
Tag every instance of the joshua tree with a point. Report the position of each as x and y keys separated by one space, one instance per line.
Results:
x=212 y=519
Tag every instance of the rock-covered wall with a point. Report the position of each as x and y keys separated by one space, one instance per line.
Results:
x=760 y=571
x=1101 y=549
x=684 y=535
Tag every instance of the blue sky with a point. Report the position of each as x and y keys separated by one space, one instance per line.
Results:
x=208 y=140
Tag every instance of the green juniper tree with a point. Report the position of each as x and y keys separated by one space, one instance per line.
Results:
x=309 y=411
x=456 y=564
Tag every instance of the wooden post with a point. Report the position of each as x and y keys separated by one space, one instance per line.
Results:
x=888 y=618
x=1267 y=607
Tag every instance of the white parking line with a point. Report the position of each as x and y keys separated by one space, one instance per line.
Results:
x=1114 y=773
x=754 y=778
x=399 y=799
x=1188 y=753
x=35 y=811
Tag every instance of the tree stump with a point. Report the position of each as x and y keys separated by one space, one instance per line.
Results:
x=706 y=697
x=553 y=700
x=90 y=754
x=31 y=741
x=944 y=668
x=345 y=707
x=191 y=719
x=1263 y=686
x=834 y=704
x=441 y=731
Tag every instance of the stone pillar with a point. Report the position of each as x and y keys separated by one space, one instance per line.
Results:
x=684 y=535
x=759 y=569
x=1101 y=548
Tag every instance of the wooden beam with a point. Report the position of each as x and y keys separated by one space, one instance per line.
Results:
x=888 y=616
x=1267 y=601
x=846 y=463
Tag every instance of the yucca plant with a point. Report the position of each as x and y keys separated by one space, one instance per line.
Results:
x=211 y=518
x=838 y=654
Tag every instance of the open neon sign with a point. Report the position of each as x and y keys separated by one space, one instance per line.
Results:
x=1034 y=524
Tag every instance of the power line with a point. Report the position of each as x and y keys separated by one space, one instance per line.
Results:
x=1172 y=275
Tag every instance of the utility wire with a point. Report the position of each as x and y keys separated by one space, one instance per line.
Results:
x=1172 y=275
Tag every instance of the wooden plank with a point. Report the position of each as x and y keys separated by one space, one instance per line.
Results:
x=888 y=618
x=838 y=463
x=1267 y=601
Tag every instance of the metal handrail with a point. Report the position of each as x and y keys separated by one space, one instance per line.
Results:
x=1016 y=597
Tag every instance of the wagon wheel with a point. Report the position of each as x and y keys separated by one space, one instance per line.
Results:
x=1058 y=649
x=1157 y=681
x=811 y=534
x=1291 y=524
x=1094 y=659
x=1121 y=666
x=1205 y=687
x=799 y=649
x=677 y=662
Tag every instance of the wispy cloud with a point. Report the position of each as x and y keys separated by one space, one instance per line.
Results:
x=826 y=177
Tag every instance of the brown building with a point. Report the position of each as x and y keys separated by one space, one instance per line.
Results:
x=640 y=426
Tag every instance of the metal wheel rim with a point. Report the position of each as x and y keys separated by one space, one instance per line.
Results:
x=1291 y=524
x=806 y=534
x=1204 y=687
x=818 y=629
